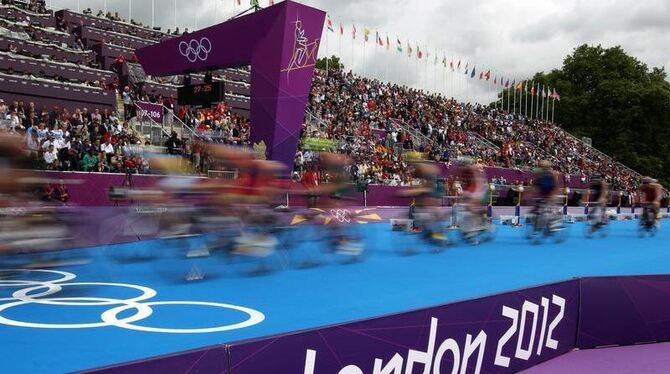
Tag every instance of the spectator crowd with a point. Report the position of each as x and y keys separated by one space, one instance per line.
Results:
x=377 y=123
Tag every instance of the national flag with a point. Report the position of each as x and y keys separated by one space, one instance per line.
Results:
x=388 y=42
x=435 y=60
x=519 y=86
x=481 y=75
x=556 y=95
x=488 y=75
x=472 y=75
x=353 y=31
x=330 y=24
x=466 y=67
x=341 y=29
x=532 y=90
x=507 y=84
x=459 y=65
x=444 y=61
x=381 y=41
x=451 y=64
x=409 y=50
x=366 y=33
x=399 y=47
x=495 y=81
x=239 y=2
x=419 y=54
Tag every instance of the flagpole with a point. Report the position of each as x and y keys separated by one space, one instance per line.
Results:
x=339 y=43
x=352 y=52
x=153 y=5
x=175 y=14
x=451 y=65
x=509 y=98
x=327 y=51
x=548 y=98
x=525 y=106
x=532 y=99
x=537 y=108
x=365 y=67
x=514 y=103
x=553 y=104
x=130 y=10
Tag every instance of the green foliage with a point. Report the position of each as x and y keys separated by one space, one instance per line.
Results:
x=617 y=101
x=334 y=63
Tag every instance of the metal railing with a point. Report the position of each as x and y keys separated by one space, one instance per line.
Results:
x=171 y=118
x=483 y=141
x=148 y=126
x=602 y=154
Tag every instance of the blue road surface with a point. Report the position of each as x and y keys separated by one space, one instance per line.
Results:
x=56 y=326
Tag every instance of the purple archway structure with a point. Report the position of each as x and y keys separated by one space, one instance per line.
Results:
x=280 y=43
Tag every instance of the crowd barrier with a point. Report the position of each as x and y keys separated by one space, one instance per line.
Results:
x=20 y=15
x=93 y=187
x=48 y=68
x=74 y=19
x=52 y=93
x=502 y=333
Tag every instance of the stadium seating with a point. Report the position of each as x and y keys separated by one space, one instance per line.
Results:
x=376 y=123
x=14 y=13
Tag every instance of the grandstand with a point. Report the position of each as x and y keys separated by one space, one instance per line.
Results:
x=411 y=229
x=92 y=59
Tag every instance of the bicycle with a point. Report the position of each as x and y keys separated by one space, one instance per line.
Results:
x=545 y=222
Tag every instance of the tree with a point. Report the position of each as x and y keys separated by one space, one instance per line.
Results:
x=617 y=101
x=333 y=63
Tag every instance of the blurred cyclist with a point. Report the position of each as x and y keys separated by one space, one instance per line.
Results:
x=651 y=192
x=545 y=183
x=600 y=198
x=474 y=188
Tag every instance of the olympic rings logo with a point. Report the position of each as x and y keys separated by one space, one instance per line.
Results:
x=342 y=215
x=196 y=49
x=40 y=292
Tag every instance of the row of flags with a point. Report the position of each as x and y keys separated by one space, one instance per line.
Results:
x=453 y=65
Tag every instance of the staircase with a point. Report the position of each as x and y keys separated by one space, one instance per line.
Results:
x=120 y=109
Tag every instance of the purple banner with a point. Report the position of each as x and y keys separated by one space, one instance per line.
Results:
x=624 y=310
x=151 y=110
x=497 y=334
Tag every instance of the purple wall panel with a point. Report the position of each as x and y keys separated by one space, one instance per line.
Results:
x=624 y=310
x=482 y=334
x=207 y=360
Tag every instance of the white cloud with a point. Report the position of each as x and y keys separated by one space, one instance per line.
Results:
x=512 y=38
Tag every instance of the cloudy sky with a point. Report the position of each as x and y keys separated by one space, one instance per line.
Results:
x=513 y=39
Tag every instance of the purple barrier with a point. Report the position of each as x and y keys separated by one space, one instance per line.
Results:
x=624 y=310
x=53 y=93
x=94 y=35
x=497 y=334
x=207 y=360
x=74 y=19
x=14 y=13
x=52 y=69
x=36 y=48
x=91 y=189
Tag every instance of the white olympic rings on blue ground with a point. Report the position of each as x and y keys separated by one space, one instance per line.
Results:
x=109 y=318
